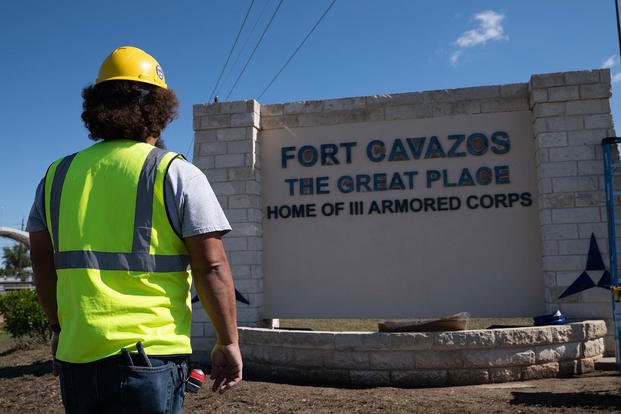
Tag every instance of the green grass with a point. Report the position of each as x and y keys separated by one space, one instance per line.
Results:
x=4 y=334
x=370 y=325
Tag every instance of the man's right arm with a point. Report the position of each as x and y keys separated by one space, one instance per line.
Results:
x=42 y=257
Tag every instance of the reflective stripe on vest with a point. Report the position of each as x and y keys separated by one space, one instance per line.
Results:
x=139 y=259
x=57 y=186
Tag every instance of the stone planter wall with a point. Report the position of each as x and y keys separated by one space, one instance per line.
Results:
x=422 y=359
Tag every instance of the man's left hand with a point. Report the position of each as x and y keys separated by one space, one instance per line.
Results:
x=226 y=367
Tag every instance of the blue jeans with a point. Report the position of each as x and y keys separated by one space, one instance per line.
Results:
x=111 y=386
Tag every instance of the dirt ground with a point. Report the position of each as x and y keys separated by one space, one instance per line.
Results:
x=28 y=386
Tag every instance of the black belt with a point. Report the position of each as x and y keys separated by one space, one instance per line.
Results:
x=120 y=359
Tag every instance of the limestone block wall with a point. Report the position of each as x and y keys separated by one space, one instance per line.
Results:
x=416 y=105
x=423 y=359
x=227 y=149
x=571 y=116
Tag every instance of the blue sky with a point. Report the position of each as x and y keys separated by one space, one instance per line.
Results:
x=51 y=50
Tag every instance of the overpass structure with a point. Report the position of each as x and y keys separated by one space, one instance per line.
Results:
x=15 y=234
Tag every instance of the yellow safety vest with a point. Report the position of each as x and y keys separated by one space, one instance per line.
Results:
x=122 y=270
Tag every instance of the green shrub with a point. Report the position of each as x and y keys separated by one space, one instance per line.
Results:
x=23 y=315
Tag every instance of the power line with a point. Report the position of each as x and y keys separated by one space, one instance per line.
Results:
x=222 y=71
x=255 y=49
x=231 y=51
x=618 y=27
x=243 y=47
x=190 y=157
x=297 y=49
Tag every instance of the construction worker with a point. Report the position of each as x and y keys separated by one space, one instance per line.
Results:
x=113 y=229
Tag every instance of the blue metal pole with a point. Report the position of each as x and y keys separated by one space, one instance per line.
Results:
x=609 y=167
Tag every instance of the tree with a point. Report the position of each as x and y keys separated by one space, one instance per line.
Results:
x=17 y=260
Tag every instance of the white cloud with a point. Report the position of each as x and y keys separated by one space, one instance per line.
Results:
x=489 y=29
x=455 y=57
x=610 y=62
x=616 y=78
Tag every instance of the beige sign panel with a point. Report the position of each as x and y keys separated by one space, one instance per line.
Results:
x=415 y=218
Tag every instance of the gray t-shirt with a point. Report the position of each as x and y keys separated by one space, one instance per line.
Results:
x=191 y=203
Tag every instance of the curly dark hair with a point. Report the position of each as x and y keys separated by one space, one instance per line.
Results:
x=122 y=109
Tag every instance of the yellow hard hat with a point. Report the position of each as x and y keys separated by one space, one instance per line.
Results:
x=131 y=63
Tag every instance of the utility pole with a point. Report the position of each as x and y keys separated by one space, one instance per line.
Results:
x=19 y=255
x=618 y=27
